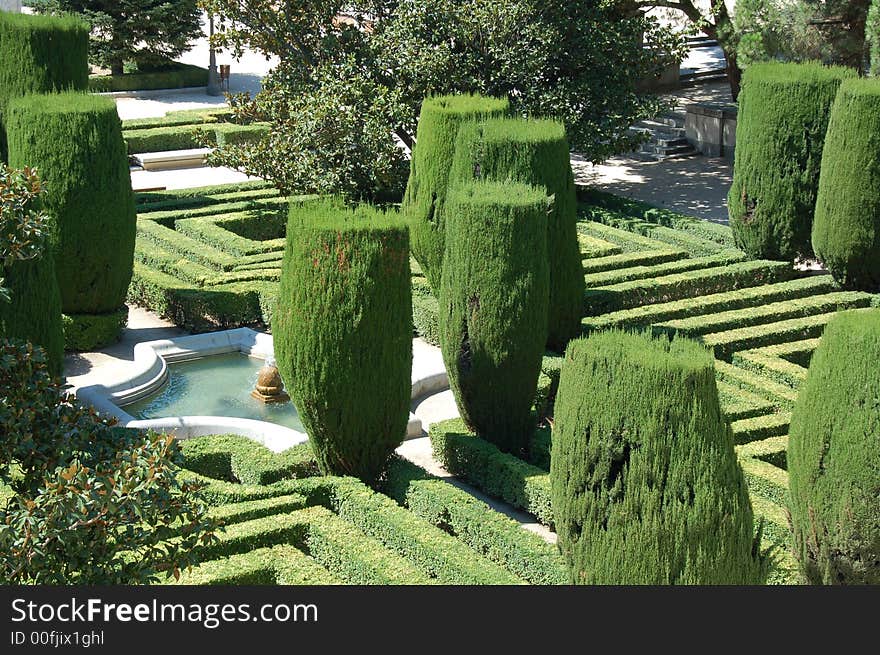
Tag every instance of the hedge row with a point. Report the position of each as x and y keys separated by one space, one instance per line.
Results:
x=760 y=427
x=708 y=230
x=594 y=265
x=627 y=241
x=238 y=459
x=738 y=404
x=677 y=286
x=595 y=247
x=755 y=383
x=184 y=137
x=494 y=536
x=772 y=312
x=771 y=450
x=772 y=366
x=640 y=272
x=767 y=334
x=224 y=191
x=198 y=310
x=718 y=302
x=187 y=246
x=162 y=260
x=498 y=474
x=174 y=76
x=692 y=242
x=276 y=565
x=214 y=233
x=86 y=332
x=171 y=215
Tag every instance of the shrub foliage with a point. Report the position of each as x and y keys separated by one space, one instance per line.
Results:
x=423 y=203
x=783 y=115
x=534 y=152
x=493 y=306
x=76 y=142
x=833 y=459
x=343 y=333
x=645 y=484
x=846 y=234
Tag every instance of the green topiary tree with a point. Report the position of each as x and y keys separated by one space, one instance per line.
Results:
x=426 y=190
x=846 y=234
x=40 y=54
x=833 y=458
x=76 y=142
x=343 y=333
x=646 y=488
x=534 y=152
x=872 y=37
x=783 y=115
x=493 y=304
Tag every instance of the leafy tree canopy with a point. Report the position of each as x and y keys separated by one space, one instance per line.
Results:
x=146 y=32
x=351 y=77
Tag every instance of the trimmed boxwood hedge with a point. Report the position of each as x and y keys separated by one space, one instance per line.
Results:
x=646 y=488
x=783 y=116
x=833 y=458
x=40 y=54
x=343 y=333
x=89 y=331
x=439 y=121
x=75 y=141
x=493 y=306
x=173 y=75
x=846 y=234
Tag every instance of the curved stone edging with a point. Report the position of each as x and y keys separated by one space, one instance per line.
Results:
x=149 y=371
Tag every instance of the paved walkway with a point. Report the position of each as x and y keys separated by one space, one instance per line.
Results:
x=696 y=185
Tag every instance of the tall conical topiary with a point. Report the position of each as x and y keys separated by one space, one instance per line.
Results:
x=75 y=141
x=40 y=54
x=783 y=115
x=646 y=488
x=34 y=313
x=534 y=152
x=846 y=234
x=343 y=333
x=493 y=304
x=834 y=455
x=423 y=202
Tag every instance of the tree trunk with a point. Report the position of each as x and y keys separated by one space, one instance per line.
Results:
x=734 y=72
x=116 y=67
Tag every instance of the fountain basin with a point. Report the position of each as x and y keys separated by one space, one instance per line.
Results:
x=149 y=373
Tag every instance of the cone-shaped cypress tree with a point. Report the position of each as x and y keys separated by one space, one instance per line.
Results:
x=35 y=311
x=40 y=54
x=343 y=333
x=846 y=234
x=646 y=488
x=834 y=455
x=75 y=141
x=493 y=304
x=426 y=190
x=783 y=115
x=534 y=152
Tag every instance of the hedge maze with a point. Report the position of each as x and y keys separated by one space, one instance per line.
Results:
x=304 y=529
x=211 y=258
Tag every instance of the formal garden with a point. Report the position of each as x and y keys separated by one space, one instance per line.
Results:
x=675 y=401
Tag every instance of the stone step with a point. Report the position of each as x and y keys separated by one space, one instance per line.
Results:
x=668 y=151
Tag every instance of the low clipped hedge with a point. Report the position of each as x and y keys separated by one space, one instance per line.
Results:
x=238 y=459
x=183 y=137
x=180 y=117
x=833 y=459
x=499 y=474
x=783 y=117
x=85 y=332
x=173 y=75
x=645 y=484
x=494 y=536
